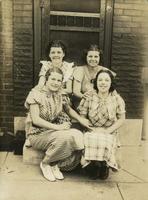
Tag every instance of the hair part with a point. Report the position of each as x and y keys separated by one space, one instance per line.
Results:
x=112 y=87
x=54 y=69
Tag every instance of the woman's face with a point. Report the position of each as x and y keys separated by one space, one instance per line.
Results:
x=93 y=58
x=56 y=54
x=54 y=81
x=103 y=82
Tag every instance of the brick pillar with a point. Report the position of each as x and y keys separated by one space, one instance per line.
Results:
x=6 y=65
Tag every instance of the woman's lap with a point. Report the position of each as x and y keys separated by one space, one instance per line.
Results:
x=100 y=147
x=43 y=140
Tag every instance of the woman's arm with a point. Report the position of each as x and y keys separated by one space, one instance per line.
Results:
x=77 y=88
x=78 y=76
x=38 y=121
x=117 y=124
x=68 y=89
x=41 y=81
x=85 y=122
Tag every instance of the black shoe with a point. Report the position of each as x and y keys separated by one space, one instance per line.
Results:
x=94 y=173
x=104 y=172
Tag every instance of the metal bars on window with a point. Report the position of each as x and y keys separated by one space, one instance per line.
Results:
x=74 y=21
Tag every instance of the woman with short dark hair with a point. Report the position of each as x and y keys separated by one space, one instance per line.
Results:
x=105 y=110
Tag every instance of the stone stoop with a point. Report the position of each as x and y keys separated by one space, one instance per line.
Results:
x=129 y=135
x=32 y=156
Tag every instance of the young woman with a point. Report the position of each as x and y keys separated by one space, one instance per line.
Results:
x=105 y=109
x=46 y=131
x=83 y=76
x=56 y=52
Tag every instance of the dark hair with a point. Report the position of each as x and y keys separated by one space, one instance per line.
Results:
x=56 y=43
x=54 y=69
x=93 y=47
x=112 y=87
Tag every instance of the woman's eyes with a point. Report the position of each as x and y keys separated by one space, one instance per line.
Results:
x=58 y=52
x=53 y=79
x=93 y=56
x=103 y=80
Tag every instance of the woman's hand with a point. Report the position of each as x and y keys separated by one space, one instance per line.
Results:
x=85 y=122
x=64 y=126
x=86 y=94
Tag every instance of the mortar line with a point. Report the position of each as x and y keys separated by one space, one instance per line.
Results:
x=133 y=175
x=120 y=191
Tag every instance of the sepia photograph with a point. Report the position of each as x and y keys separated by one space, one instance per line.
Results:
x=73 y=99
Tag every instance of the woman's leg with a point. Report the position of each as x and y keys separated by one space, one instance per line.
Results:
x=57 y=145
x=104 y=170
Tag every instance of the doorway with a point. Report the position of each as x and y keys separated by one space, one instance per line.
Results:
x=77 y=23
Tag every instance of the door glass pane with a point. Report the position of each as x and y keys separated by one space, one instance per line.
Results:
x=76 y=5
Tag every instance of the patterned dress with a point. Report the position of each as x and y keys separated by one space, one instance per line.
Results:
x=58 y=145
x=82 y=75
x=102 y=113
x=67 y=69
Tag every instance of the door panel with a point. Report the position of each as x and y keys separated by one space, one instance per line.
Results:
x=76 y=5
x=76 y=43
x=77 y=23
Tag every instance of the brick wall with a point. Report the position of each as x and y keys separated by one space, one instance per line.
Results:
x=23 y=53
x=6 y=65
x=16 y=55
x=128 y=52
x=16 y=59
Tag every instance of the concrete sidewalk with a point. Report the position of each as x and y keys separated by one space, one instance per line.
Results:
x=25 y=182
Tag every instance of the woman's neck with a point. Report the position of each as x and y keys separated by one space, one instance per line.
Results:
x=93 y=69
x=57 y=64
x=103 y=95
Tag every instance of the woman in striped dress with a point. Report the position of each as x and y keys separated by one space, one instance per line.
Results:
x=45 y=128
x=105 y=109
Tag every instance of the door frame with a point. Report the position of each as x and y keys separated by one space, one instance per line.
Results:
x=41 y=17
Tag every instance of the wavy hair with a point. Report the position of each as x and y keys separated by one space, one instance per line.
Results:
x=54 y=69
x=112 y=87
x=93 y=47
x=56 y=43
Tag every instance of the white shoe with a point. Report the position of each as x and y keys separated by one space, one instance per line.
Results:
x=57 y=173
x=47 y=172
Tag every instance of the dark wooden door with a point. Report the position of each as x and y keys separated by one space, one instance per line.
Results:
x=77 y=23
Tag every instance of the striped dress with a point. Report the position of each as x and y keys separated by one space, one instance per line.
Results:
x=58 y=145
x=102 y=113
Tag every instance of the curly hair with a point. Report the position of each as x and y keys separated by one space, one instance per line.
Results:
x=93 y=47
x=56 y=43
x=112 y=87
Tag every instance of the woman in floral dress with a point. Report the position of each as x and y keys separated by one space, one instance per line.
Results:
x=105 y=109
x=45 y=128
x=56 y=53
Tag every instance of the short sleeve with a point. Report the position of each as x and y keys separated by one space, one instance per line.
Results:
x=34 y=97
x=78 y=74
x=44 y=68
x=120 y=105
x=67 y=69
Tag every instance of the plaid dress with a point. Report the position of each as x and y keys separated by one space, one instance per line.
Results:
x=102 y=113
x=58 y=145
